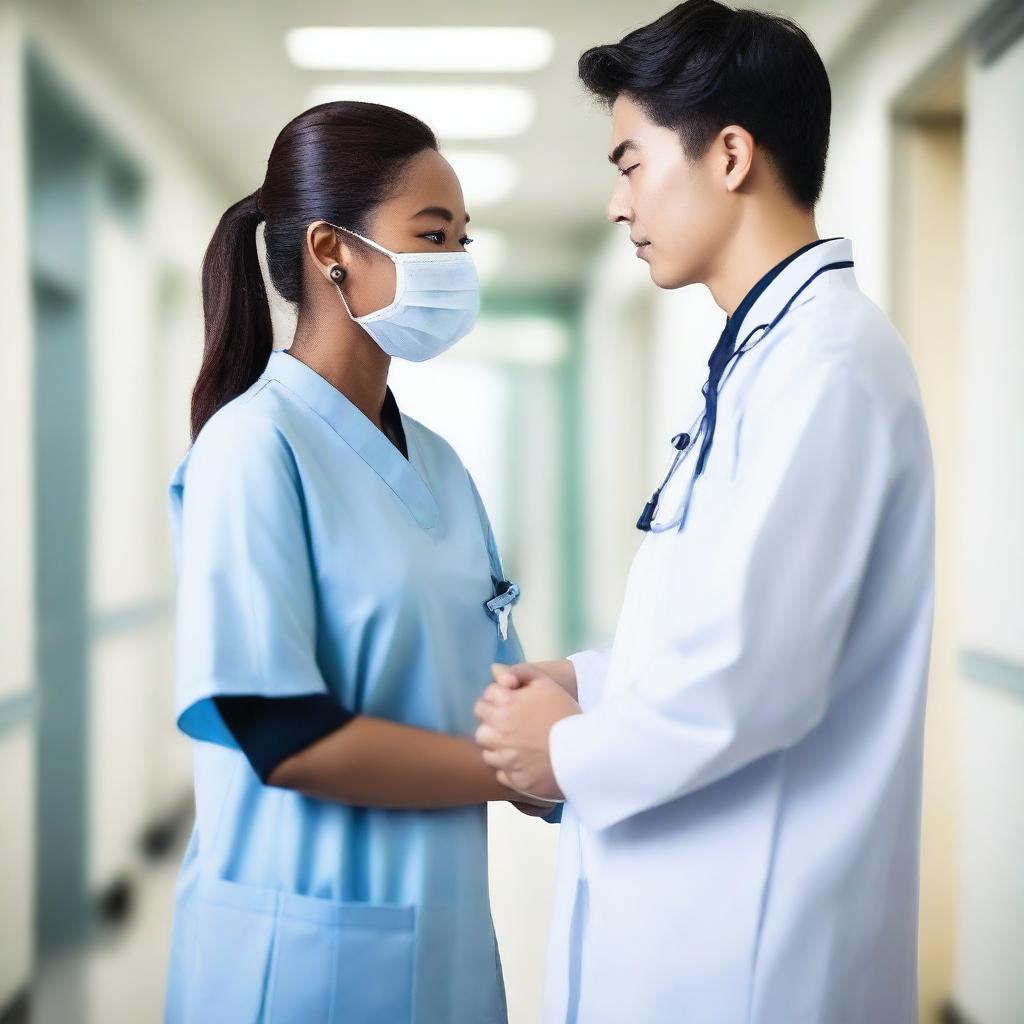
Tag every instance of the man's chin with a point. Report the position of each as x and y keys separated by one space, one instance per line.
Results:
x=667 y=278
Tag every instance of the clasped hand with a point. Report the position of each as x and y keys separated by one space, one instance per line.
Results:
x=516 y=713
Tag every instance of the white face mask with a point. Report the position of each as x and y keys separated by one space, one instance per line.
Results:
x=437 y=298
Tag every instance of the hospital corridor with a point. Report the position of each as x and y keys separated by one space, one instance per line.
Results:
x=127 y=129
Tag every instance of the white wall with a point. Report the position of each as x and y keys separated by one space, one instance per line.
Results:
x=145 y=346
x=615 y=403
x=17 y=744
x=16 y=596
x=139 y=767
x=867 y=77
x=993 y=604
x=990 y=983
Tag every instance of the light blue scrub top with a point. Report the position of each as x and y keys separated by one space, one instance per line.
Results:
x=312 y=557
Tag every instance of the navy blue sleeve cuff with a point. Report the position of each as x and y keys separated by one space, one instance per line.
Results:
x=271 y=729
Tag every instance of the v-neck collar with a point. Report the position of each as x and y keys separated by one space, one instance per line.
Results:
x=370 y=443
x=391 y=423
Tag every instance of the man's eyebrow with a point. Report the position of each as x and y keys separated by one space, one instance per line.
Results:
x=437 y=211
x=616 y=154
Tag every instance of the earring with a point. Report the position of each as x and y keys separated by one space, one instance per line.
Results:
x=337 y=274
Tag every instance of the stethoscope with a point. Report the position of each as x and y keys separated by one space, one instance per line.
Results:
x=686 y=442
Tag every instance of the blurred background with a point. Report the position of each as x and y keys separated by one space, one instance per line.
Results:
x=128 y=126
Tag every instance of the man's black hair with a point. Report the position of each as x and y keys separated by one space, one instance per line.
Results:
x=703 y=66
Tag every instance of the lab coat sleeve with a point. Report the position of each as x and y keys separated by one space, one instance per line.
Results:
x=591 y=671
x=246 y=618
x=781 y=550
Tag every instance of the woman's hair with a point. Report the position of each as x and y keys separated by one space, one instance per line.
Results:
x=703 y=66
x=334 y=162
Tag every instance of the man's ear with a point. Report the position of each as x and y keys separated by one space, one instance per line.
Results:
x=735 y=147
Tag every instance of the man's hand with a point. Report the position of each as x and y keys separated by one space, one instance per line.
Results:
x=516 y=713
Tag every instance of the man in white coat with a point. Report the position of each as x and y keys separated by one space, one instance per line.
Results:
x=741 y=770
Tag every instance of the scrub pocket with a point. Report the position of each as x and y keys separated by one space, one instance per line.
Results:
x=342 y=963
x=233 y=937
x=311 y=960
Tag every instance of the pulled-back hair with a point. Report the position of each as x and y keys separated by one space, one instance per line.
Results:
x=334 y=162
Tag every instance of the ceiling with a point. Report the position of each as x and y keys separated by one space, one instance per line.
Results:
x=218 y=73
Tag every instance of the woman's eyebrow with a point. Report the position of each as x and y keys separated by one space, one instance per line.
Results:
x=437 y=211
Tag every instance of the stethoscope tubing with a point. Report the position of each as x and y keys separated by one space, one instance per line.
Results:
x=697 y=430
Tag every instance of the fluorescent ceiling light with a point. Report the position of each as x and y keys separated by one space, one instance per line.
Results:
x=453 y=111
x=333 y=48
x=486 y=177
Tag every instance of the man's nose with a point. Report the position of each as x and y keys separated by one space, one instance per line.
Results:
x=618 y=211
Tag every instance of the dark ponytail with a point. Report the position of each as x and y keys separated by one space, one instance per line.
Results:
x=334 y=162
x=238 y=332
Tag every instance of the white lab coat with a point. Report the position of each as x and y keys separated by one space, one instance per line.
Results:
x=740 y=834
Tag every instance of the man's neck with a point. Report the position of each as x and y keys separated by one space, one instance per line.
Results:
x=762 y=242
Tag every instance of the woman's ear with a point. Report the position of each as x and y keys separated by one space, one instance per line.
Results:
x=326 y=249
x=736 y=148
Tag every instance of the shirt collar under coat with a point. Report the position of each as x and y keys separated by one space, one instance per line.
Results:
x=770 y=299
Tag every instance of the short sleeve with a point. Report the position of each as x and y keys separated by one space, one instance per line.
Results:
x=246 y=608
x=270 y=731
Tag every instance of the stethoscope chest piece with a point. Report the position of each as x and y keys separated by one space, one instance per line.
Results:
x=681 y=443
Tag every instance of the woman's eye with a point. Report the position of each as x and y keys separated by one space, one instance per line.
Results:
x=624 y=171
x=438 y=238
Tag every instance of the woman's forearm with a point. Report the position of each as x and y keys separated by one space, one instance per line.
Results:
x=372 y=762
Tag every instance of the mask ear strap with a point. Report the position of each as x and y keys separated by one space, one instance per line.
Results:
x=369 y=241
x=336 y=275
x=344 y=301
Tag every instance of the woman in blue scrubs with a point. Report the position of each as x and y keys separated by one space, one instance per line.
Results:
x=340 y=604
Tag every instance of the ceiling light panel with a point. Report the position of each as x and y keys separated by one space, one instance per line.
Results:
x=452 y=111
x=456 y=49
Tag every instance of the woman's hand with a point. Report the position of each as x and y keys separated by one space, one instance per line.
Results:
x=562 y=672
